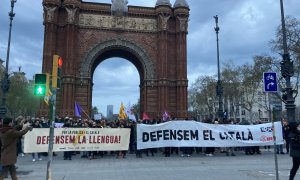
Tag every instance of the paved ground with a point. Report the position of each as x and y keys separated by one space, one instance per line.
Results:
x=199 y=166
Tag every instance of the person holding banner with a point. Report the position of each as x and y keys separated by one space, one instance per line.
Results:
x=295 y=148
x=67 y=154
x=209 y=151
x=9 y=137
x=92 y=154
x=138 y=152
x=36 y=124
x=121 y=154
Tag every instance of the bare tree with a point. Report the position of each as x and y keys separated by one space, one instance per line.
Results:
x=231 y=80
x=293 y=42
x=251 y=81
x=202 y=96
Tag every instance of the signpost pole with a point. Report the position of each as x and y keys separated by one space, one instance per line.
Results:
x=275 y=145
x=51 y=136
x=270 y=85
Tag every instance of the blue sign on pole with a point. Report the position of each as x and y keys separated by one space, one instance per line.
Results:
x=270 y=82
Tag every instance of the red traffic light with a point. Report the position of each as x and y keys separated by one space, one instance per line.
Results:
x=60 y=62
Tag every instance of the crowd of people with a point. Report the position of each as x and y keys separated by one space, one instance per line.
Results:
x=21 y=125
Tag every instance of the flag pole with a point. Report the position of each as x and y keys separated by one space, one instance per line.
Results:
x=85 y=113
x=77 y=106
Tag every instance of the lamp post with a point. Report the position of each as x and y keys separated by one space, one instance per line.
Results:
x=5 y=80
x=259 y=114
x=287 y=71
x=219 y=87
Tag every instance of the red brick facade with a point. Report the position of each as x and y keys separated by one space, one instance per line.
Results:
x=85 y=34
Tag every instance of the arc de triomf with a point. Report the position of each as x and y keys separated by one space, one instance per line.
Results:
x=152 y=38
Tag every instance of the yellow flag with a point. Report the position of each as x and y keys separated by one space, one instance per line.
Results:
x=122 y=114
x=47 y=97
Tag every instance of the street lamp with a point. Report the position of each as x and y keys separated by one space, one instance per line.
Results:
x=287 y=71
x=219 y=87
x=259 y=114
x=5 y=80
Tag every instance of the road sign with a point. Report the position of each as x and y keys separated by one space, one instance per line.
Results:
x=270 y=82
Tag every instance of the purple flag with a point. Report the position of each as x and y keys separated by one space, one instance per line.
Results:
x=78 y=110
x=166 y=116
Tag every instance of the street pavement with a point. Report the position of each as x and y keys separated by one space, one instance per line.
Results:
x=196 y=167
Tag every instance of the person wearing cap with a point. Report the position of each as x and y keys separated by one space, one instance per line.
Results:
x=294 y=148
x=9 y=137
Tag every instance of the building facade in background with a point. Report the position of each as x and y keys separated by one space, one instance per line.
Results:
x=110 y=111
x=265 y=107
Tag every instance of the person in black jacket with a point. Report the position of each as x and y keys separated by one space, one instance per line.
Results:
x=294 y=148
x=67 y=154
x=286 y=132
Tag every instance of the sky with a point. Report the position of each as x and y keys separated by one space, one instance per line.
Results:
x=246 y=28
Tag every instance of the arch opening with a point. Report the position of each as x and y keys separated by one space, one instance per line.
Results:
x=115 y=81
x=118 y=48
x=115 y=52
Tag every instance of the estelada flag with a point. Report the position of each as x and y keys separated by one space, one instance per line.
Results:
x=145 y=116
x=122 y=114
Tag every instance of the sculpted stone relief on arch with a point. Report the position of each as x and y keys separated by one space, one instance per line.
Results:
x=48 y=14
x=71 y=14
x=111 y=22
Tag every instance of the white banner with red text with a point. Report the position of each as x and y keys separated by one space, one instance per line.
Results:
x=196 y=134
x=78 y=139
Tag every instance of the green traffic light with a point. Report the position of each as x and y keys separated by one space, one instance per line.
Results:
x=40 y=90
x=40 y=84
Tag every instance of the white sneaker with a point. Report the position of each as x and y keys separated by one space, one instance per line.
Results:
x=22 y=154
x=40 y=159
x=182 y=155
x=188 y=155
x=33 y=160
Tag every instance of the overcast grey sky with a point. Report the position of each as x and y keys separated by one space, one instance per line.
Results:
x=246 y=28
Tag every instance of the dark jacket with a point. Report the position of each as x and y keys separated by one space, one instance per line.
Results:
x=286 y=132
x=9 y=137
x=0 y=148
x=295 y=144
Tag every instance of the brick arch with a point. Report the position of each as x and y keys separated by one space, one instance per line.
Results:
x=86 y=67
x=84 y=34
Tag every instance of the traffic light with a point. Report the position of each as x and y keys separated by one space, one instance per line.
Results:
x=56 y=71
x=40 y=84
x=47 y=82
